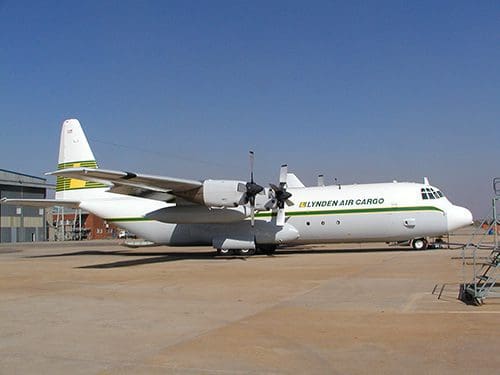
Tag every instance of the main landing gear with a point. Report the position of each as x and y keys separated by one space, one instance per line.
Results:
x=242 y=252
x=261 y=249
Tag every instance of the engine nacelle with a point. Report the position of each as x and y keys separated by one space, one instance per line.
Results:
x=222 y=193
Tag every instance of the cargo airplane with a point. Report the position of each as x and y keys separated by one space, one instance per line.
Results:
x=244 y=217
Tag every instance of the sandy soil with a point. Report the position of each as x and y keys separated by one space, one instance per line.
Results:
x=96 y=307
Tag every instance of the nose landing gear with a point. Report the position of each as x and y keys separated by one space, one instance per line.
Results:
x=419 y=244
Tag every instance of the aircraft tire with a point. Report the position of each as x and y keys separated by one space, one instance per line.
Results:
x=419 y=244
x=224 y=252
x=246 y=252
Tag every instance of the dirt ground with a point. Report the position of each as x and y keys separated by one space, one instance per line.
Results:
x=99 y=308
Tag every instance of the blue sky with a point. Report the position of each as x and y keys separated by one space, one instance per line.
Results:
x=363 y=91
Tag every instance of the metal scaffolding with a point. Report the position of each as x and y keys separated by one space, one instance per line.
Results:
x=485 y=267
x=68 y=226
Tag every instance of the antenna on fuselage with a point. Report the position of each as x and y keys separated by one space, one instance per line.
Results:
x=337 y=183
x=426 y=181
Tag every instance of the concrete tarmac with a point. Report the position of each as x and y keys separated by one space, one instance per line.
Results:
x=99 y=308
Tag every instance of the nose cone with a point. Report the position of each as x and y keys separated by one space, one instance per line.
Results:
x=458 y=217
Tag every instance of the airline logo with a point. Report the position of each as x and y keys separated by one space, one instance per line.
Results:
x=342 y=202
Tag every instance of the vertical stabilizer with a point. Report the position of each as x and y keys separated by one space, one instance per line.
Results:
x=75 y=152
x=74 y=147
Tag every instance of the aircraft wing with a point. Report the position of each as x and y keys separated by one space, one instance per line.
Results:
x=40 y=203
x=135 y=184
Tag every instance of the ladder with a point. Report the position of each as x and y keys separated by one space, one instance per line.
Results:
x=485 y=268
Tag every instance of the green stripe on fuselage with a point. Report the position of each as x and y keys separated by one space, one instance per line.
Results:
x=353 y=211
x=313 y=213
x=126 y=219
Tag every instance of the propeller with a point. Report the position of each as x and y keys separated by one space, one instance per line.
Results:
x=251 y=189
x=281 y=196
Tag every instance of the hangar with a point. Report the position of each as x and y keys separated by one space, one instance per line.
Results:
x=22 y=224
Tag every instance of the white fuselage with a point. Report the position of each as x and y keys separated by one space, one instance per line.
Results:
x=219 y=212
x=348 y=213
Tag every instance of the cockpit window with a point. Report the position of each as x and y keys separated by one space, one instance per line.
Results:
x=433 y=193
x=430 y=193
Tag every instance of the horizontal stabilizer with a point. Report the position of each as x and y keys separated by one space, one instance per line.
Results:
x=40 y=203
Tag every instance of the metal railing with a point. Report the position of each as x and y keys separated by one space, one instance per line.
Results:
x=484 y=267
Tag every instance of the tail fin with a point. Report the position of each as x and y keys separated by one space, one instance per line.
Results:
x=74 y=152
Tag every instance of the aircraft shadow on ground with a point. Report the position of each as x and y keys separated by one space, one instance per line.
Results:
x=143 y=258
x=152 y=257
x=340 y=251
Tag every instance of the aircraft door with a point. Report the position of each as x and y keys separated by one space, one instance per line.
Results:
x=409 y=222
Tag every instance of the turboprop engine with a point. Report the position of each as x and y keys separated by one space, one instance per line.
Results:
x=230 y=193
x=227 y=193
x=233 y=194
x=222 y=193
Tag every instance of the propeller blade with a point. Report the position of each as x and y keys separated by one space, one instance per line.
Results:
x=270 y=204
x=251 y=189
x=280 y=196
x=251 y=200
x=252 y=160
x=252 y=216
x=280 y=217
x=283 y=173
